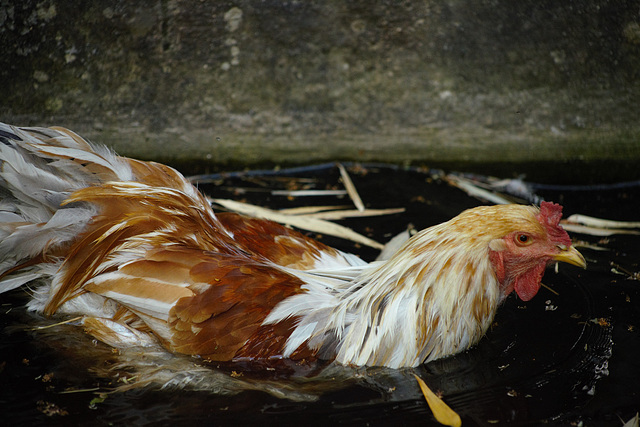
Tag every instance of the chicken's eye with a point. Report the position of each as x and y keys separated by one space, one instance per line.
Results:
x=523 y=239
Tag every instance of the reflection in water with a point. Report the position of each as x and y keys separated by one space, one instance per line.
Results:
x=532 y=354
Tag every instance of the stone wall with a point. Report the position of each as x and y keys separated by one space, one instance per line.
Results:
x=228 y=84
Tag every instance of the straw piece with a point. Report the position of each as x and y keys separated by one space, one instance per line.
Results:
x=351 y=189
x=303 y=222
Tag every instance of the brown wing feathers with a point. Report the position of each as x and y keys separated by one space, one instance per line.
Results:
x=277 y=243
x=203 y=284
x=232 y=299
x=219 y=295
x=154 y=247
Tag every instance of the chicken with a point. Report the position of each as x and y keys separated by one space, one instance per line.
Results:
x=138 y=252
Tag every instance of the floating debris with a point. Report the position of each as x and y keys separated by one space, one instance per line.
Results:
x=474 y=190
x=302 y=222
x=307 y=193
x=441 y=411
x=584 y=224
x=50 y=409
x=351 y=189
x=590 y=221
x=633 y=422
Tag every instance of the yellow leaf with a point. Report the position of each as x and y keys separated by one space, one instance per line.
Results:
x=442 y=413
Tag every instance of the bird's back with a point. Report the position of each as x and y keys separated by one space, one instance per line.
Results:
x=131 y=243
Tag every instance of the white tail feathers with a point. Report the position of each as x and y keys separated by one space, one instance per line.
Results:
x=39 y=169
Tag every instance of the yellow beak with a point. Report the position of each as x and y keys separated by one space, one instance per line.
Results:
x=571 y=256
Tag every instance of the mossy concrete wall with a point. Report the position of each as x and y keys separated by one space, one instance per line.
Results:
x=229 y=84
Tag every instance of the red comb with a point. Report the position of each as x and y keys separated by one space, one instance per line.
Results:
x=550 y=216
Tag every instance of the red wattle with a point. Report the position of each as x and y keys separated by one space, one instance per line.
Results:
x=526 y=290
x=527 y=285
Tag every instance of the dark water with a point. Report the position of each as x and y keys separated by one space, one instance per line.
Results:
x=558 y=359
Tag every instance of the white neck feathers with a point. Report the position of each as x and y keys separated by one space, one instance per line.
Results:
x=434 y=297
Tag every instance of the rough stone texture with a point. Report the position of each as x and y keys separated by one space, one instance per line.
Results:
x=230 y=84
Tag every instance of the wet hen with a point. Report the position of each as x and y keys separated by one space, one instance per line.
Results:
x=137 y=251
